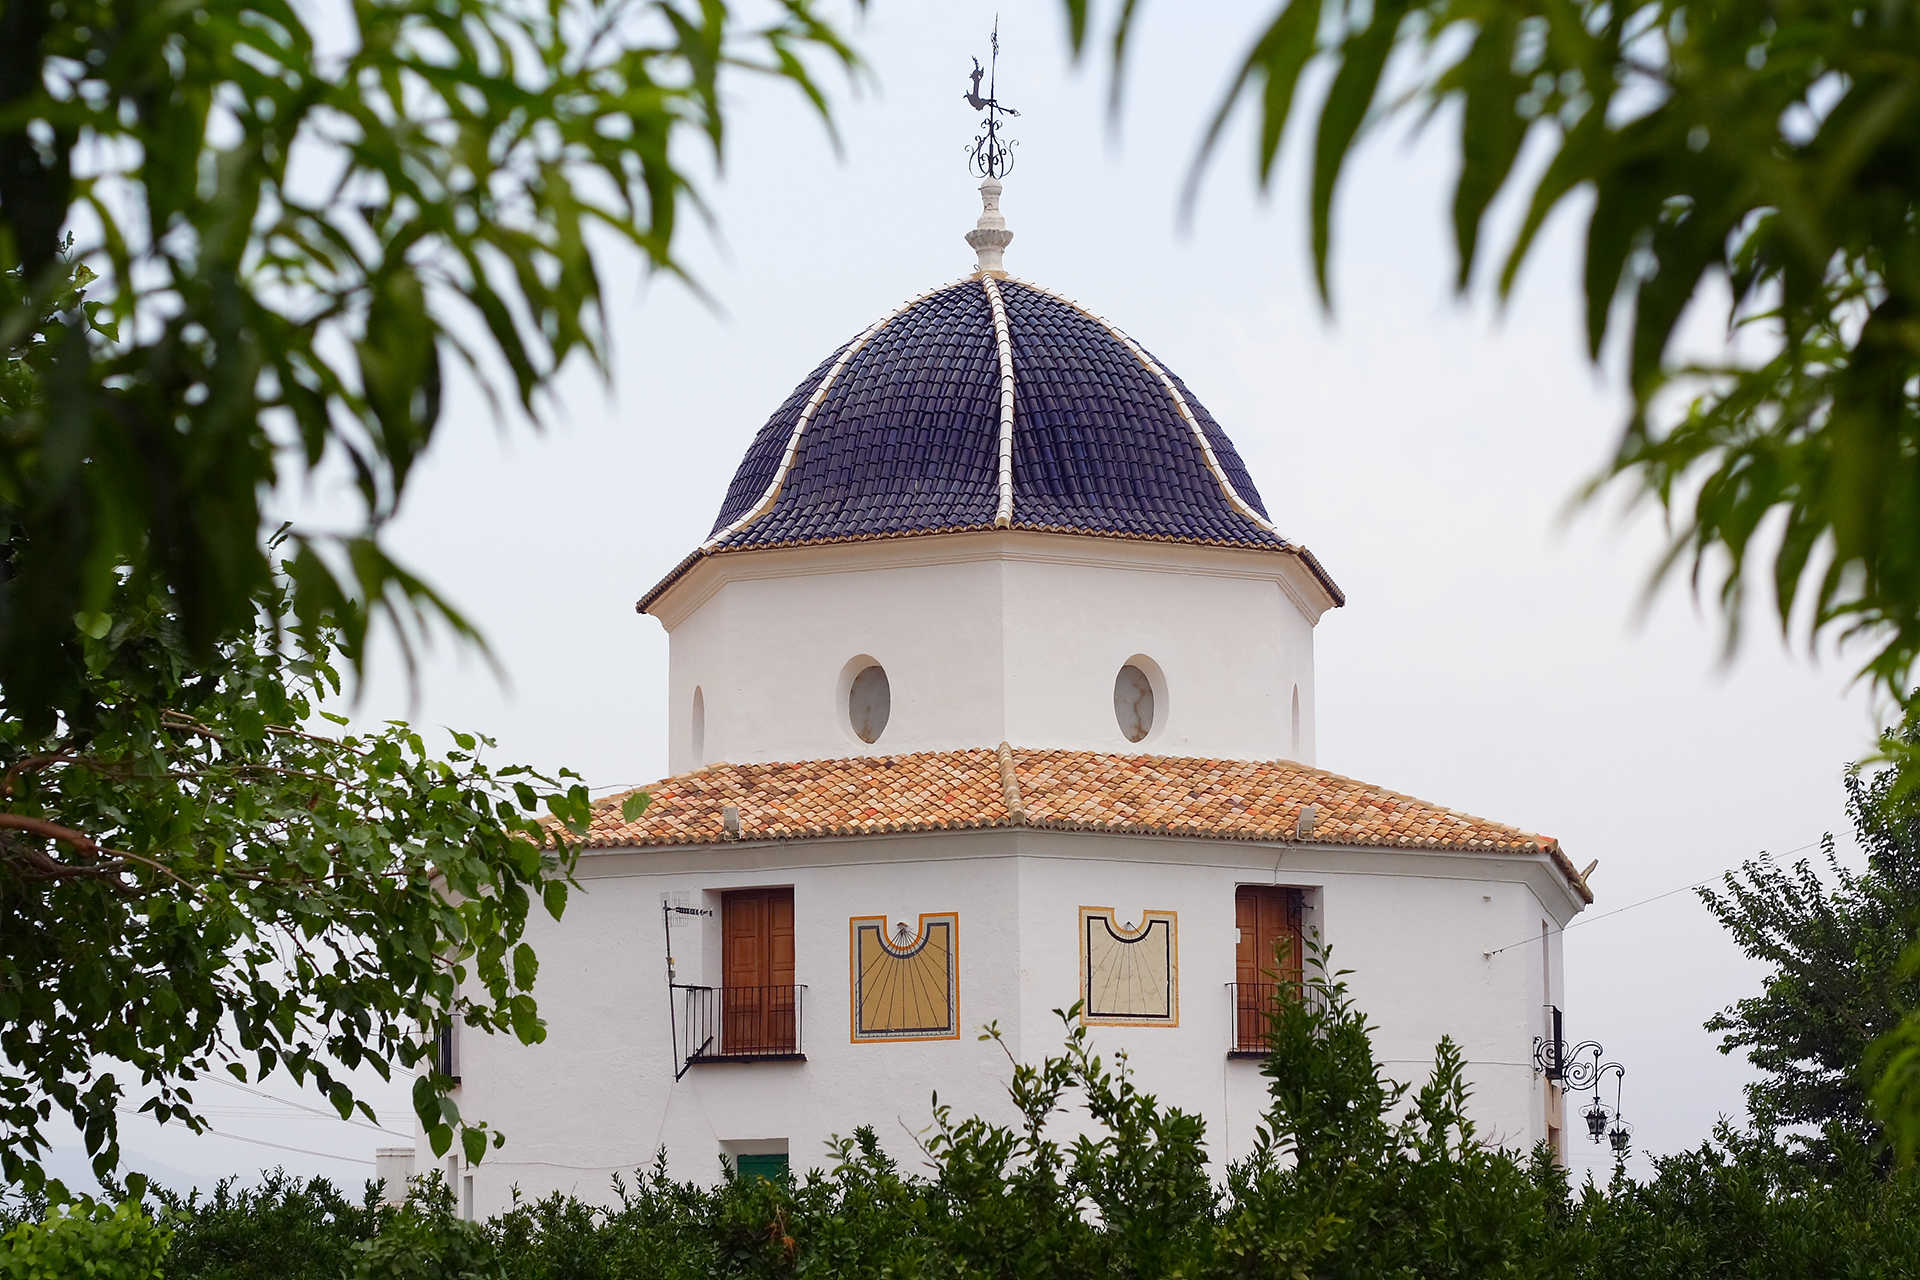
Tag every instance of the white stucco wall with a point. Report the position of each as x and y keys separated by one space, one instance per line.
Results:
x=599 y=1094
x=987 y=638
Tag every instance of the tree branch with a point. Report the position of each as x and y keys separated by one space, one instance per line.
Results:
x=84 y=844
x=181 y=720
x=46 y=830
x=29 y=763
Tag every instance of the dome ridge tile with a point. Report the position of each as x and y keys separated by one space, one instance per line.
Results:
x=937 y=419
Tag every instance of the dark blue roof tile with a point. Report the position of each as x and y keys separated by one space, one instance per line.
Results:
x=757 y=469
x=1099 y=443
x=906 y=439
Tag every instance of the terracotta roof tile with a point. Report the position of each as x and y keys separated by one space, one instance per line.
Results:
x=1062 y=790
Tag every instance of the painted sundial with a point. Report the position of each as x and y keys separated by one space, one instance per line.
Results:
x=1129 y=973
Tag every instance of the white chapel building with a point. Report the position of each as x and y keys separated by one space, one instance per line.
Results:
x=991 y=691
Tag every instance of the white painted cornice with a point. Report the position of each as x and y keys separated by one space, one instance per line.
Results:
x=1268 y=564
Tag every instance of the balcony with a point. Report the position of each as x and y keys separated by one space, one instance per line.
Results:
x=1253 y=1008
x=736 y=1024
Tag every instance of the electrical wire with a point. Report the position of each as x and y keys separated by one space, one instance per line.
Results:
x=1585 y=920
x=636 y=1165
x=301 y=1106
x=262 y=1142
x=282 y=1146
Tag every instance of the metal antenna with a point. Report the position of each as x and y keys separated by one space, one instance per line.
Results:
x=990 y=156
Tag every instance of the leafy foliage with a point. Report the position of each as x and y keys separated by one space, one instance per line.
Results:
x=426 y=1241
x=304 y=223
x=1350 y=1177
x=1742 y=1205
x=280 y=1228
x=193 y=880
x=1354 y=1176
x=1766 y=147
x=106 y=1242
x=1833 y=943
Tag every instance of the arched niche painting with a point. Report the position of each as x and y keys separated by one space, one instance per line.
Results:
x=906 y=987
x=1129 y=971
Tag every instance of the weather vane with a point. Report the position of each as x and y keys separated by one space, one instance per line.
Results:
x=991 y=156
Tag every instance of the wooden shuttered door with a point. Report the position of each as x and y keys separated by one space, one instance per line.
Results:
x=756 y=972
x=1268 y=959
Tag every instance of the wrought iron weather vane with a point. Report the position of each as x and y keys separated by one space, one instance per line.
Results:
x=990 y=156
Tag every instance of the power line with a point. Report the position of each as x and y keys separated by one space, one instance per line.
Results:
x=281 y=1146
x=1583 y=920
x=301 y=1106
x=636 y=1165
x=262 y=1142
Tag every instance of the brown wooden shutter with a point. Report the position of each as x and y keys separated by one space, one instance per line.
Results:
x=1269 y=953
x=756 y=971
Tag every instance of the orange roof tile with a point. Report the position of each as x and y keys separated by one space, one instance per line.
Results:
x=1060 y=790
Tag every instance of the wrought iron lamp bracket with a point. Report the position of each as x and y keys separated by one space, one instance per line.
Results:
x=1578 y=1067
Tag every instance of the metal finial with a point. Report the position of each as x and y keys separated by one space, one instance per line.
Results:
x=990 y=156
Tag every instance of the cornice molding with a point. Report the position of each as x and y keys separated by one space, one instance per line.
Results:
x=712 y=572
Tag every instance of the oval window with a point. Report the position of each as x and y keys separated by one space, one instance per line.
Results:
x=699 y=727
x=869 y=703
x=1133 y=702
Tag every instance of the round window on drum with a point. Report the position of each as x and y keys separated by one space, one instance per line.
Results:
x=869 y=703
x=1133 y=702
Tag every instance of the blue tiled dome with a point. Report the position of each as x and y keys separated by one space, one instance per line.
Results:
x=908 y=428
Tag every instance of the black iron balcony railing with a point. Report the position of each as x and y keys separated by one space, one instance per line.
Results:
x=1254 y=1004
x=735 y=1024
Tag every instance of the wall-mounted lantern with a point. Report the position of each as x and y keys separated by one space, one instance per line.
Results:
x=1581 y=1067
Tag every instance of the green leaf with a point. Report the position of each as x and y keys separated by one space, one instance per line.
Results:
x=473 y=1145
x=1362 y=58
x=1278 y=56
x=1076 y=11
x=1491 y=131
x=1574 y=163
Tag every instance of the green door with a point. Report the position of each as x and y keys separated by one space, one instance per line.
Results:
x=771 y=1166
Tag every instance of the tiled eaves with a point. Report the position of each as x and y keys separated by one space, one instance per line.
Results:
x=1245 y=800
x=1306 y=557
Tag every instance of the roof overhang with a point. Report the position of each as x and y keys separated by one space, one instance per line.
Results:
x=699 y=575
x=1274 y=803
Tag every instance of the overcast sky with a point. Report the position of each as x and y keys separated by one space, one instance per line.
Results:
x=1492 y=656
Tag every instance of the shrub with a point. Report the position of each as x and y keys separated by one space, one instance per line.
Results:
x=1352 y=1175
x=282 y=1229
x=423 y=1240
x=89 y=1238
